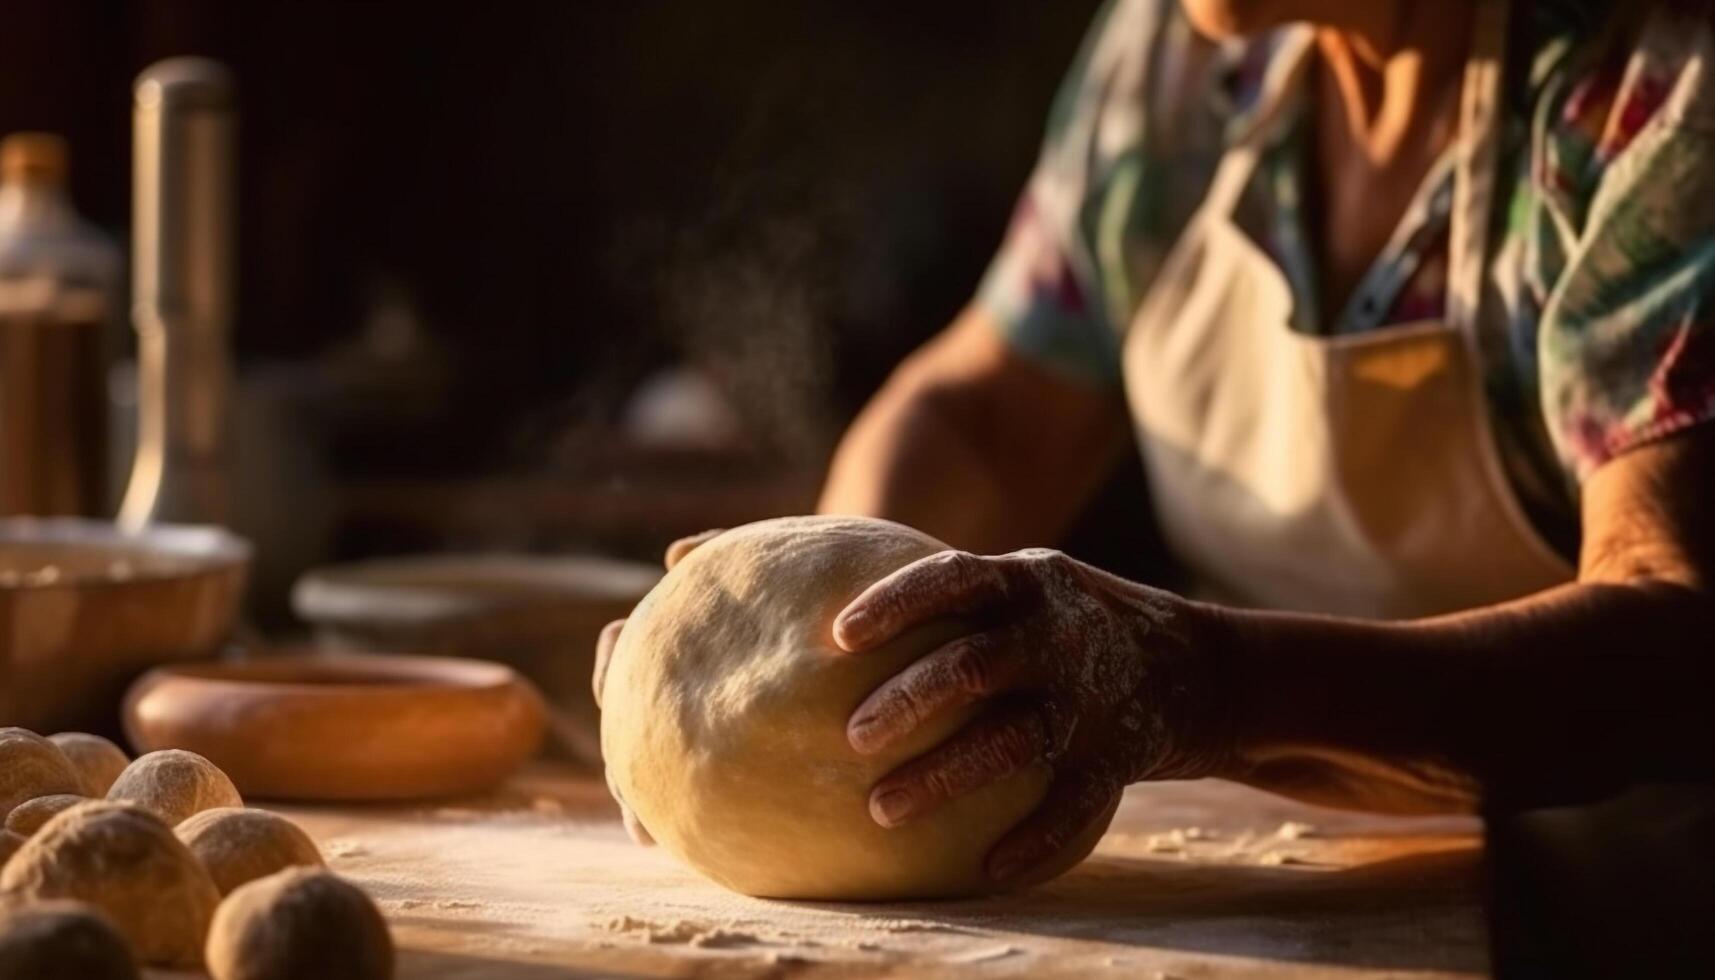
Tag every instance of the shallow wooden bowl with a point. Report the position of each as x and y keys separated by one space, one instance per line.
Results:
x=343 y=726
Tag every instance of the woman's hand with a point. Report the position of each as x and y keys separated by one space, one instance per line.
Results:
x=1105 y=680
x=604 y=653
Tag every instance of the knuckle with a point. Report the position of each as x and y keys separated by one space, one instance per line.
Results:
x=959 y=560
x=1058 y=562
x=936 y=782
x=903 y=706
x=971 y=667
x=1016 y=745
x=942 y=780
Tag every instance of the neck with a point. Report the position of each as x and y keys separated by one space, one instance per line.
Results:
x=1389 y=72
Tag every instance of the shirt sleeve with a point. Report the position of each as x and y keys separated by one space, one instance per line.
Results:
x=1627 y=338
x=1090 y=224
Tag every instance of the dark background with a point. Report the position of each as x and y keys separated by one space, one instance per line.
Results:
x=558 y=199
x=570 y=192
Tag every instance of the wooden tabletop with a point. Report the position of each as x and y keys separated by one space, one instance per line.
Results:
x=1195 y=880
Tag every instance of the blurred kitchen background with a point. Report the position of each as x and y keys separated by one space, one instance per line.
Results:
x=566 y=276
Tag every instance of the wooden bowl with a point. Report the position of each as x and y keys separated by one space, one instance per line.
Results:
x=343 y=726
x=88 y=606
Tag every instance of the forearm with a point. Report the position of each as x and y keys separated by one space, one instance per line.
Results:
x=1553 y=697
x=906 y=459
x=972 y=444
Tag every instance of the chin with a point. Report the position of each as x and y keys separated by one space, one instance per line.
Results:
x=1223 y=19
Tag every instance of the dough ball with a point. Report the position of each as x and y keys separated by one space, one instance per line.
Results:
x=122 y=859
x=238 y=845
x=98 y=761
x=31 y=766
x=725 y=709
x=9 y=844
x=62 y=941
x=27 y=817
x=174 y=784
x=301 y=922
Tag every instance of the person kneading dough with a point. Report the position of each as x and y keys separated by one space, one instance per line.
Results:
x=1409 y=309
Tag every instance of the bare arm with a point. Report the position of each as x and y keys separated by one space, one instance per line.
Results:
x=1551 y=697
x=976 y=446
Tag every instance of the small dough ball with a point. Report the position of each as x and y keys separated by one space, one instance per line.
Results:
x=122 y=859
x=62 y=941
x=238 y=846
x=724 y=723
x=27 y=817
x=301 y=922
x=31 y=766
x=98 y=761
x=174 y=784
x=9 y=844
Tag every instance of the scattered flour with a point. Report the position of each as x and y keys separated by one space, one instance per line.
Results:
x=345 y=848
x=571 y=889
x=982 y=955
x=682 y=932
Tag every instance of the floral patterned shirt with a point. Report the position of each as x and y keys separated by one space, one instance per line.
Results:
x=1598 y=327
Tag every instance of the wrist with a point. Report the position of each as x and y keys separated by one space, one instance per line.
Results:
x=1217 y=642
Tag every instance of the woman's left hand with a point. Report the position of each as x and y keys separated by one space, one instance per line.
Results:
x=1107 y=681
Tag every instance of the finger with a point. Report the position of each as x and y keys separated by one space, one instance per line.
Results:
x=984 y=751
x=635 y=828
x=604 y=645
x=677 y=551
x=1075 y=803
x=946 y=584
x=956 y=674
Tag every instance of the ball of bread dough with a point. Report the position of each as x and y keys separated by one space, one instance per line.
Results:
x=174 y=784
x=27 y=817
x=122 y=859
x=237 y=845
x=31 y=766
x=301 y=922
x=724 y=722
x=62 y=941
x=98 y=761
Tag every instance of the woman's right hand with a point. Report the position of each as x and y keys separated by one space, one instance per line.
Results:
x=604 y=648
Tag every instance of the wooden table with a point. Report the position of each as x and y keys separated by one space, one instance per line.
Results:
x=1195 y=880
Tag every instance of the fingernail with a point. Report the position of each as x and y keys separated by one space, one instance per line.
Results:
x=848 y=626
x=863 y=735
x=891 y=808
x=1008 y=867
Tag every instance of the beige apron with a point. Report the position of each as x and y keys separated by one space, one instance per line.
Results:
x=1357 y=474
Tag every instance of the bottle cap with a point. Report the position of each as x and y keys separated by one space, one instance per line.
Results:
x=35 y=157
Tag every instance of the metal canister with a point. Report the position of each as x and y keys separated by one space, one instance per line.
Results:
x=181 y=287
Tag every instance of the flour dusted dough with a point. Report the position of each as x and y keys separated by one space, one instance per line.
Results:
x=724 y=718
x=298 y=924
x=174 y=784
x=123 y=860
x=239 y=845
x=62 y=940
x=96 y=759
x=27 y=817
x=31 y=766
